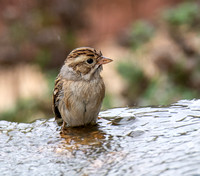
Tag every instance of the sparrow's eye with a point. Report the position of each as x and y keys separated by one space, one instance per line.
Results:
x=90 y=61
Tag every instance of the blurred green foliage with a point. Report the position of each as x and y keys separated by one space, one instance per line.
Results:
x=136 y=80
x=43 y=57
x=141 y=32
x=31 y=109
x=107 y=101
x=28 y=110
x=129 y=71
x=161 y=90
x=186 y=13
x=178 y=78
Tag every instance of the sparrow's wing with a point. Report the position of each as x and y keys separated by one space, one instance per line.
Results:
x=57 y=94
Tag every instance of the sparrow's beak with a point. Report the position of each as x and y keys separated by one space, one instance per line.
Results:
x=103 y=60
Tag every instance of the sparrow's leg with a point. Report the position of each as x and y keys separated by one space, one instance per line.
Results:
x=63 y=125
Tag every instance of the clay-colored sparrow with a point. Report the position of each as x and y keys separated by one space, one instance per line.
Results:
x=79 y=88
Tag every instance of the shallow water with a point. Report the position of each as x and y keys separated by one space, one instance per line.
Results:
x=139 y=141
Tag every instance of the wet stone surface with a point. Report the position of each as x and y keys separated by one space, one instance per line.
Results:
x=139 y=141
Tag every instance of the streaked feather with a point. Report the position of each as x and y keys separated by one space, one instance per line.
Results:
x=79 y=88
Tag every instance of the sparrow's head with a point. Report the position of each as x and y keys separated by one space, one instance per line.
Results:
x=86 y=62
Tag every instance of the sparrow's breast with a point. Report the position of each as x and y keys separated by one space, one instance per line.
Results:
x=83 y=101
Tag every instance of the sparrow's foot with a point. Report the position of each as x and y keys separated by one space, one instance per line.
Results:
x=63 y=125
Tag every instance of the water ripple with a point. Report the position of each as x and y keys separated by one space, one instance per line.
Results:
x=127 y=141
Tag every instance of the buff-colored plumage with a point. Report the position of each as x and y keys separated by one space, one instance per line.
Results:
x=79 y=88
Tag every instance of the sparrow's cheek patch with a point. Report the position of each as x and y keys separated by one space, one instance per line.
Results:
x=82 y=69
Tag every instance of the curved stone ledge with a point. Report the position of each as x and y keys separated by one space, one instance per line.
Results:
x=127 y=141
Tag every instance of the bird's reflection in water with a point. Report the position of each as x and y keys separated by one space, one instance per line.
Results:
x=77 y=137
